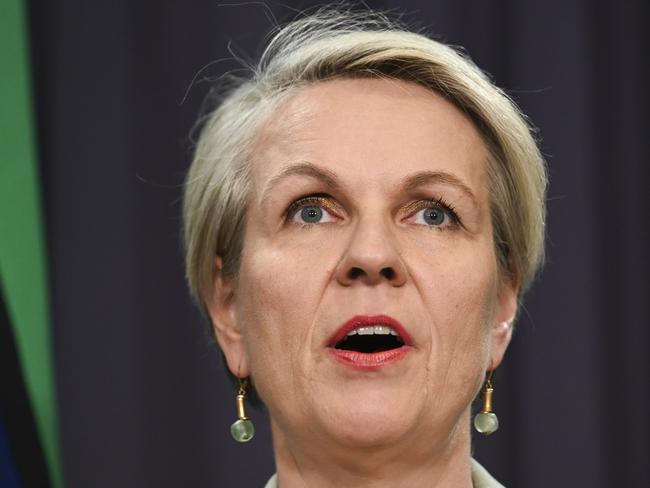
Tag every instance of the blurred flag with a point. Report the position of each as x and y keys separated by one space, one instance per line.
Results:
x=29 y=452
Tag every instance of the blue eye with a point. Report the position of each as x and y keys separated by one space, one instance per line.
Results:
x=435 y=216
x=313 y=210
x=310 y=212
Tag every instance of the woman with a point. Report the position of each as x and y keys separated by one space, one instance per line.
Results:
x=362 y=216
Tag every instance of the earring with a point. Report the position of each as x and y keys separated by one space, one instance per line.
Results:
x=486 y=421
x=242 y=430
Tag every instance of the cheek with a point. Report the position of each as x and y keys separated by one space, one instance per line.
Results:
x=279 y=293
x=459 y=293
x=286 y=277
x=460 y=298
x=457 y=278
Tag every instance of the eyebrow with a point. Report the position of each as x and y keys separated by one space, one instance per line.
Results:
x=329 y=179
x=423 y=178
x=304 y=168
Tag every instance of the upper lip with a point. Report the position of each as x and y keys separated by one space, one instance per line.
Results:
x=368 y=320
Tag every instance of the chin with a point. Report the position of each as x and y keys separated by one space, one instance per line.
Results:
x=367 y=417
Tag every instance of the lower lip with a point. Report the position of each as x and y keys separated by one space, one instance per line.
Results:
x=369 y=361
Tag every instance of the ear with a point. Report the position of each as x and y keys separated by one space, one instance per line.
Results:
x=221 y=304
x=501 y=329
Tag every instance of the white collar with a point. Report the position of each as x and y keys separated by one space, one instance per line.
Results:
x=480 y=478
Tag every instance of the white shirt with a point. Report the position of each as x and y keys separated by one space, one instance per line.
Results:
x=480 y=478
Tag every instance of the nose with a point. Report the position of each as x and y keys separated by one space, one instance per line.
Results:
x=371 y=258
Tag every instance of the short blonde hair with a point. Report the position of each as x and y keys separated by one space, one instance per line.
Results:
x=334 y=43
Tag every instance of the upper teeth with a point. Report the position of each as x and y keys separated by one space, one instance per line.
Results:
x=373 y=329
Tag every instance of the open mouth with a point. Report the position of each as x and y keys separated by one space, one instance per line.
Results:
x=370 y=342
x=371 y=339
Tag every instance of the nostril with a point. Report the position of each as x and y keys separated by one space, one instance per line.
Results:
x=356 y=272
x=388 y=273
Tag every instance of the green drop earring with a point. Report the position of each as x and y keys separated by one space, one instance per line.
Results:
x=242 y=429
x=486 y=421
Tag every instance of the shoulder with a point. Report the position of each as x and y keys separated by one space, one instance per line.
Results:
x=481 y=478
x=273 y=482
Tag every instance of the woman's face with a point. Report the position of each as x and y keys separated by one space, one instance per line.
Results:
x=369 y=205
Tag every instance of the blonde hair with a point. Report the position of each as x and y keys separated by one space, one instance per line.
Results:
x=333 y=43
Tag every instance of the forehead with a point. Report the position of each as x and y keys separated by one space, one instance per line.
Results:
x=373 y=131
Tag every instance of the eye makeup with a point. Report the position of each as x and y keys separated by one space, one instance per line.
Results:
x=327 y=202
x=317 y=199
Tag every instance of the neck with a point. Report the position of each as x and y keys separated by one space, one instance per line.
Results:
x=303 y=462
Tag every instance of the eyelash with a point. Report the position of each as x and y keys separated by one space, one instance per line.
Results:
x=440 y=204
x=316 y=200
x=321 y=200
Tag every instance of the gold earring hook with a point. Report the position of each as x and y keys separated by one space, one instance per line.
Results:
x=488 y=378
x=242 y=386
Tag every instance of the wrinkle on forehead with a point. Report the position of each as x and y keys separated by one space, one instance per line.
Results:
x=320 y=122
